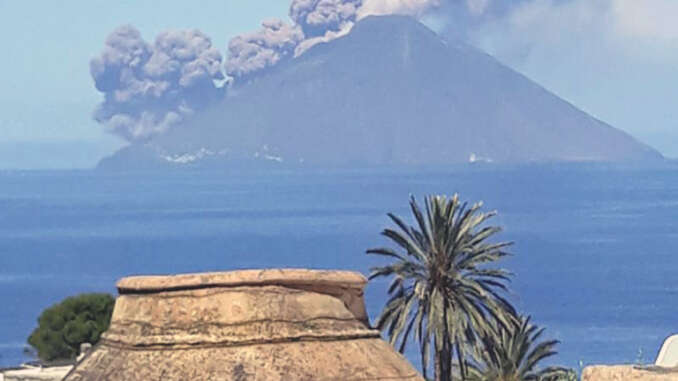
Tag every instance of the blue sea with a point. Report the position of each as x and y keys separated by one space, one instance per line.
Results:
x=595 y=255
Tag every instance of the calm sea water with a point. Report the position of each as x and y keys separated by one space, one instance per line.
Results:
x=596 y=257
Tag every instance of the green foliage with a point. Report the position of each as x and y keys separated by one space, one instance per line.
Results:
x=567 y=375
x=64 y=326
x=446 y=293
x=444 y=289
x=513 y=354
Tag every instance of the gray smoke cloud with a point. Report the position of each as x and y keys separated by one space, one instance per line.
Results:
x=314 y=22
x=253 y=52
x=323 y=20
x=150 y=88
x=317 y=17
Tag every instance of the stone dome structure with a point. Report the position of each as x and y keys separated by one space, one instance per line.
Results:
x=254 y=325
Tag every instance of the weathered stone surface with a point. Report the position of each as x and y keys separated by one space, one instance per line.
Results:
x=628 y=373
x=36 y=374
x=243 y=326
x=280 y=277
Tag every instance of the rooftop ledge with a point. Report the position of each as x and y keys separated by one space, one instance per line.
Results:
x=266 y=277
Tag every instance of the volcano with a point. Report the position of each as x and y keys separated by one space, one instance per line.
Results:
x=391 y=92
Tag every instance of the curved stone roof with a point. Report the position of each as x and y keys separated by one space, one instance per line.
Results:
x=280 y=277
x=247 y=326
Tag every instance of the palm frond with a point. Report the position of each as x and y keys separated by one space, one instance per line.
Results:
x=444 y=291
x=514 y=354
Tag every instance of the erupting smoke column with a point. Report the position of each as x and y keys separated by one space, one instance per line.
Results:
x=317 y=17
x=314 y=21
x=150 y=88
x=323 y=20
x=250 y=53
x=147 y=88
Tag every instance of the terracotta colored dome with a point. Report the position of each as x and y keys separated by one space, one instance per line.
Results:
x=255 y=325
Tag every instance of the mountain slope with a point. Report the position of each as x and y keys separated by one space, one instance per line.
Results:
x=393 y=92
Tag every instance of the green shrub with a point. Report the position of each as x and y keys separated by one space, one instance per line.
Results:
x=64 y=326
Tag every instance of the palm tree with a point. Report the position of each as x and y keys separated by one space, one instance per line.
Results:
x=442 y=289
x=513 y=355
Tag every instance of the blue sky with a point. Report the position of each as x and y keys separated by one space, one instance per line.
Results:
x=618 y=62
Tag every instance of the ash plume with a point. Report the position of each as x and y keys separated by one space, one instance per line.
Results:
x=253 y=52
x=318 y=17
x=150 y=88
x=314 y=22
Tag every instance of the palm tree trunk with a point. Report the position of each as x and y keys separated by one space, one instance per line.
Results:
x=446 y=359
x=446 y=353
x=443 y=363
x=437 y=369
